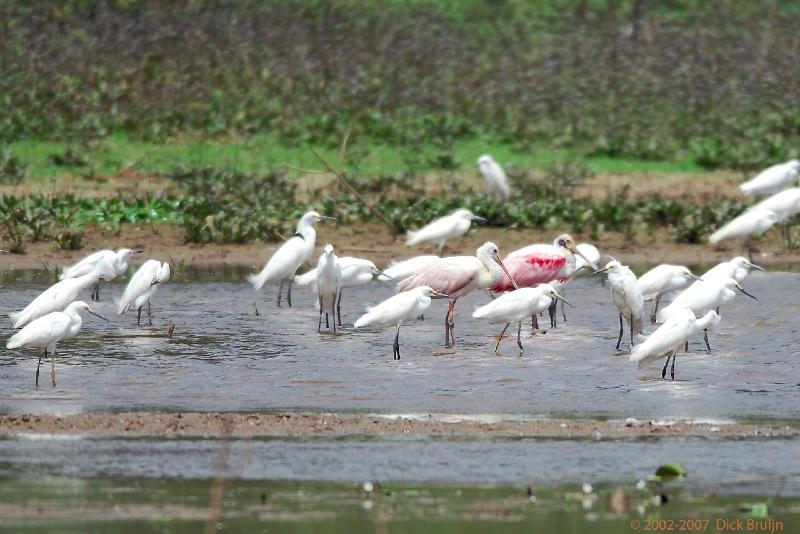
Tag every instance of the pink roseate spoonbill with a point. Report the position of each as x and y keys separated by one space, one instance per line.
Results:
x=444 y=228
x=517 y=305
x=117 y=260
x=772 y=179
x=458 y=275
x=495 y=176
x=398 y=309
x=670 y=337
x=290 y=256
x=627 y=296
x=541 y=264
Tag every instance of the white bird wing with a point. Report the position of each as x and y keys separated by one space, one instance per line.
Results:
x=307 y=279
x=286 y=260
x=667 y=337
x=42 y=331
x=768 y=180
x=140 y=284
x=511 y=306
x=748 y=223
x=54 y=298
x=86 y=265
x=438 y=230
x=784 y=204
x=390 y=311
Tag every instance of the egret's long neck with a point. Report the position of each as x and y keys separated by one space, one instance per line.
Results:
x=306 y=230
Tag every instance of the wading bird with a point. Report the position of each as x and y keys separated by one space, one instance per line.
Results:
x=329 y=282
x=444 y=228
x=495 y=176
x=785 y=204
x=398 y=309
x=627 y=296
x=48 y=330
x=701 y=297
x=541 y=264
x=738 y=268
x=662 y=279
x=746 y=225
x=514 y=306
x=290 y=256
x=60 y=295
x=456 y=276
x=670 y=337
x=584 y=262
x=772 y=179
x=355 y=272
x=117 y=260
x=143 y=287
x=398 y=271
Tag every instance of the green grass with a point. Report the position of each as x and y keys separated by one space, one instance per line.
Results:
x=261 y=152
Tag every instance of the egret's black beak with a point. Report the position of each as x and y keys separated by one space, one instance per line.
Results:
x=695 y=277
x=757 y=267
x=438 y=295
x=600 y=271
x=326 y=218
x=479 y=219
x=740 y=288
x=137 y=251
x=97 y=315
x=565 y=301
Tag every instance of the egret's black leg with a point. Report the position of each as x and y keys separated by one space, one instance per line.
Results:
x=334 y=320
x=630 y=327
x=289 y=293
x=280 y=293
x=38 y=364
x=664 y=370
x=672 y=369
x=149 y=315
x=551 y=311
x=319 y=324
x=619 y=339
x=327 y=325
x=519 y=333
x=705 y=338
x=655 y=310
x=717 y=310
x=686 y=347
x=396 y=347
x=563 y=311
x=339 y=307
x=139 y=316
x=500 y=337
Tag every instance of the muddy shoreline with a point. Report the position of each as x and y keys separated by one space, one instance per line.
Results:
x=374 y=242
x=306 y=425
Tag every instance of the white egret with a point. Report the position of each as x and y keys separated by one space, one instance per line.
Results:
x=495 y=176
x=514 y=306
x=746 y=225
x=142 y=288
x=329 y=282
x=738 y=268
x=627 y=296
x=701 y=297
x=60 y=295
x=458 y=275
x=668 y=339
x=398 y=309
x=117 y=260
x=290 y=256
x=48 y=330
x=401 y=270
x=772 y=179
x=785 y=204
x=355 y=272
x=662 y=279
x=444 y=228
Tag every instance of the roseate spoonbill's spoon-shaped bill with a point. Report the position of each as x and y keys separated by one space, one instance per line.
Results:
x=50 y=329
x=329 y=283
x=398 y=309
x=58 y=296
x=447 y=227
x=117 y=260
x=142 y=287
x=495 y=176
x=746 y=225
x=517 y=305
x=457 y=276
x=290 y=256
x=627 y=297
x=662 y=279
x=668 y=339
x=772 y=179
x=703 y=296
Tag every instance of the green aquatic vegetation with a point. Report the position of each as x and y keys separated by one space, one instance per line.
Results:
x=12 y=170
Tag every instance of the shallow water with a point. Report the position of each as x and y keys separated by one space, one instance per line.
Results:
x=224 y=357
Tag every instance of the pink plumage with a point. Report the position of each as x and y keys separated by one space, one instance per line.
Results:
x=445 y=276
x=538 y=264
